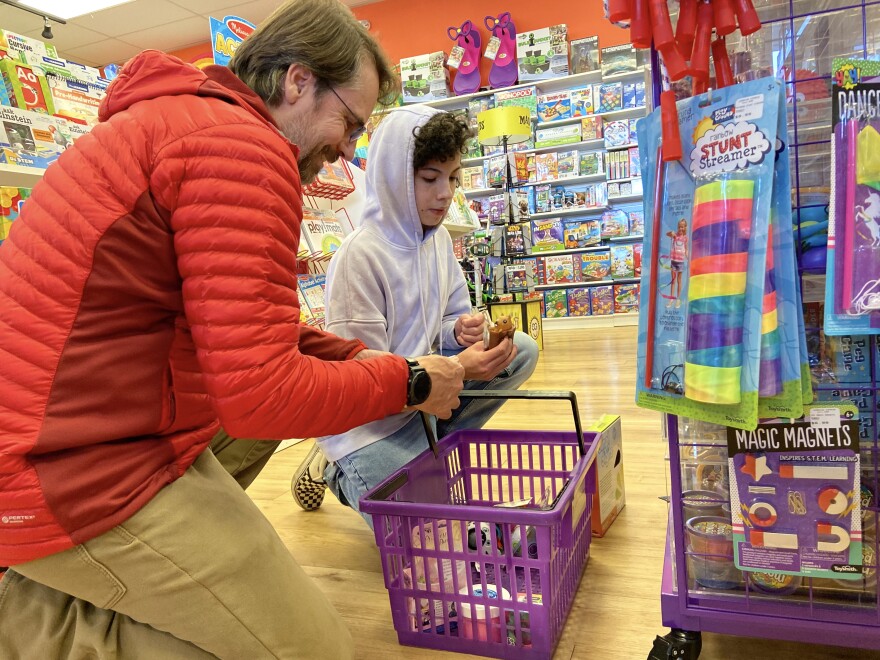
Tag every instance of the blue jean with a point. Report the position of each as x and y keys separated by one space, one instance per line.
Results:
x=353 y=475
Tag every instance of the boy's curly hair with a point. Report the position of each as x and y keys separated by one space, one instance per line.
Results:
x=442 y=137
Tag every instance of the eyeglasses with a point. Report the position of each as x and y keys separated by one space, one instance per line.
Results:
x=356 y=134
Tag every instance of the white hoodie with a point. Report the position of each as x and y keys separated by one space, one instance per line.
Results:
x=391 y=285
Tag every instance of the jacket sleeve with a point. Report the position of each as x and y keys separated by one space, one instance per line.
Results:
x=327 y=346
x=235 y=208
x=459 y=301
x=356 y=303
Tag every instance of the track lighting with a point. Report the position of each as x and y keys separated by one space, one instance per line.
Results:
x=47 y=28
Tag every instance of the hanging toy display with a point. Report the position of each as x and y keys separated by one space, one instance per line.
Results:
x=502 y=51
x=465 y=57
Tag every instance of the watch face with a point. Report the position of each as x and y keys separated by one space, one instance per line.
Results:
x=421 y=386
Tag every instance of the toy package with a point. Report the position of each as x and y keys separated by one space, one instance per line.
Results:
x=553 y=107
x=546 y=167
x=579 y=302
x=29 y=139
x=636 y=222
x=610 y=97
x=591 y=163
x=525 y=97
x=547 y=235
x=626 y=298
x=637 y=259
x=522 y=168
x=852 y=286
x=495 y=169
x=516 y=278
x=321 y=231
x=794 y=498
x=425 y=78
x=498 y=209
x=514 y=242
x=543 y=201
x=523 y=203
x=555 y=304
x=584 y=55
x=619 y=59
x=554 y=136
x=615 y=222
x=582 y=101
x=629 y=95
x=11 y=202
x=542 y=54
x=602 y=300
x=581 y=233
x=706 y=241
x=567 y=164
x=622 y=262
x=595 y=265
x=633 y=130
x=473 y=178
x=616 y=134
x=559 y=269
x=592 y=128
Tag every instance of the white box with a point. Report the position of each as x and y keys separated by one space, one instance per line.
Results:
x=424 y=78
x=542 y=54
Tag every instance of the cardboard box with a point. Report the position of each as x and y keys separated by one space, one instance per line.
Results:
x=542 y=54
x=425 y=77
x=584 y=55
x=553 y=136
x=610 y=495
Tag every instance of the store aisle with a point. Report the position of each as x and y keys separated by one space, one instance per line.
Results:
x=616 y=614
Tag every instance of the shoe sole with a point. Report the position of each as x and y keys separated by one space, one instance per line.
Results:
x=307 y=493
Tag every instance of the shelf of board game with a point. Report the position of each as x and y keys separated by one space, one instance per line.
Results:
x=599 y=321
x=611 y=114
x=584 y=210
x=622 y=199
x=574 y=285
x=627 y=180
x=586 y=178
x=459 y=230
x=546 y=86
x=626 y=75
x=477 y=192
x=16 y=176
x=622 y=146
x=585 y=145
x=622 y=239
x=591 y=248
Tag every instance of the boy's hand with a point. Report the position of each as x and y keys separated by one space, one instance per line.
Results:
x=469 y=329
x=447 y=380
x=481 y=363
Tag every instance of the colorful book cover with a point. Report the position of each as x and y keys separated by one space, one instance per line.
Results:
x=556 y=303
x=615 y=222
x=321 y=230
x=473 y=178
x=622 y=261
x=582 y=101
x=312 y=288
x=579 y=302
x=559 y=269
x=567 y=164
x=592 y=128
x=495 y=169
x=547 y=235
x=543 y=199
x=636 y=223
x=553 y=107
x=516 y=278
x=514 y=241
x=546 y=167
x=610 y=97
x=602 y=300
x=626 y=298
x=595 y=265
x=497 y=209
x=581 y=233
x=520 y=171
x=591 y=163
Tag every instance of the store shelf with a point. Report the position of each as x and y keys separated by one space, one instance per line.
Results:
x=544 y=86
x=544 y=253
x=627 y=280
x=627 y=180
x=623 y=199
x=575 y=285
x=16 y=176
x=564 y=213
x=458 y=230
x=585 y=145
x=622 y=146
x=624 y=239
x=628 y=75
x=584 y=322
x=479 y=192
x=587 y=178
x=625 y=113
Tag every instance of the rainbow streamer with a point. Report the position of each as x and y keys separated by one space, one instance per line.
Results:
x=718 y=265
x=770 y=378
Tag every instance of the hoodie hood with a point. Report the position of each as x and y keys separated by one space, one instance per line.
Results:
x=390 y=191
x=154 y=74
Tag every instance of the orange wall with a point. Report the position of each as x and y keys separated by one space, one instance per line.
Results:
x=414 y=27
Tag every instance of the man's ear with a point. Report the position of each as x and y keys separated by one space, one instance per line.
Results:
x=299 y=81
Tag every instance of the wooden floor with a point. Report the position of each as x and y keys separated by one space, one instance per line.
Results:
x=616 y=613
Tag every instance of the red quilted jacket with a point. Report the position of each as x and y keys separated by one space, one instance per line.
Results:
x=147 y=292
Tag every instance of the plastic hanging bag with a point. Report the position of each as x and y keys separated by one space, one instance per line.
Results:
x=706 y=240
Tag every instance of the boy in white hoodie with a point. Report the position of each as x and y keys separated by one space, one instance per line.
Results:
x=396 y=285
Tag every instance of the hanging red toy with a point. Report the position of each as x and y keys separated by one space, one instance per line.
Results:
x=640 y=24
x=702 y=41
x=686 y=26
x=725 y=19
x=723 y=70
x=746 y=16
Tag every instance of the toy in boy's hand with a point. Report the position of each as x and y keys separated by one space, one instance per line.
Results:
x=504 y=71
x=504 y=326
x=467 y=80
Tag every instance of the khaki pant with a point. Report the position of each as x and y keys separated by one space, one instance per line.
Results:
x=198 y=572
x=243 y=459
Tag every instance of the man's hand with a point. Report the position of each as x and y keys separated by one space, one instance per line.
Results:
x=481 y=363
x=469 y=329
x=447 y=380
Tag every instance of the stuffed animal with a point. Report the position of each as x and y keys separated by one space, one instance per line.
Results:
x=503 y=327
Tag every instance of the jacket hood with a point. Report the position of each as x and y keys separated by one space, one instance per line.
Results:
x=154 y=74
x=390 y=194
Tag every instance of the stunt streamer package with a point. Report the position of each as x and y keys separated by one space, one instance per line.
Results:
x=707 y=230
x=852 y=286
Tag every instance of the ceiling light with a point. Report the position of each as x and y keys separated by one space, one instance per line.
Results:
x=71 y=8
x=47 y=29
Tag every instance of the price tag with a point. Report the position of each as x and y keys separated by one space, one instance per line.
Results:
x=455 y=57
x=492 y=48
x=825 y=418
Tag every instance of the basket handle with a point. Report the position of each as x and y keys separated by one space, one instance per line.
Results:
x=569 y=396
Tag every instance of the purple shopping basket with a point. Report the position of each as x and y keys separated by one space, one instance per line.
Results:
x=464 y=572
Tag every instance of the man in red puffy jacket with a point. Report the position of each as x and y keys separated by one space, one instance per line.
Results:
x=148 y=296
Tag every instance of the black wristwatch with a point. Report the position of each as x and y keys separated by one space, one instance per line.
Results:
x=418 y=387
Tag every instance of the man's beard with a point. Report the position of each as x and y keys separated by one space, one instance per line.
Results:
x=312 y=160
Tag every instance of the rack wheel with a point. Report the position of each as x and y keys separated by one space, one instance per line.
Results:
x=677 y=645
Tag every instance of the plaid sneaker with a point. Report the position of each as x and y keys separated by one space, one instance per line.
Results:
x=307 y=485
